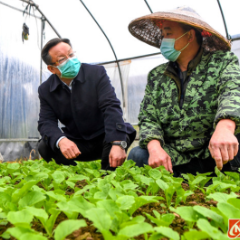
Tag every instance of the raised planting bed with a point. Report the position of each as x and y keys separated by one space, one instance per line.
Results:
x=40 y=200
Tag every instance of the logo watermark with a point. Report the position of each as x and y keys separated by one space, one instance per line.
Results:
x=233 y=228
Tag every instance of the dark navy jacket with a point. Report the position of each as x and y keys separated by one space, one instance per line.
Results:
x=91 y=109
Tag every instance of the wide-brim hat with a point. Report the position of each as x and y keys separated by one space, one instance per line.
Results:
x=148 y=28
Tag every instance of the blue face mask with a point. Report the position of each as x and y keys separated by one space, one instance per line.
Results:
x=70 y=68
x=168 y=50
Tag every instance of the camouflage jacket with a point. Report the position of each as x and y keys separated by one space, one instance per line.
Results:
x=212 y=93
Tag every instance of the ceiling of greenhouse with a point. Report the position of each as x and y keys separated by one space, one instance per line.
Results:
x=72 y=20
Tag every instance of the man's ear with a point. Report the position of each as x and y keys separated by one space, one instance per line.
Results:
x=51 y=69
x=192 y=35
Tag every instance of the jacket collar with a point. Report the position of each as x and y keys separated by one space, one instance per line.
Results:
x=173 y=66
x=55 y=82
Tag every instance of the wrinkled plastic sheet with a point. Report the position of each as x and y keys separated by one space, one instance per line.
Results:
x=14 y=151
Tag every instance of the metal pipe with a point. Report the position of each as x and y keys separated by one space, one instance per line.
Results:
x=19 y=140
x=224 y=21
x=42 y=33
x=148 y=6
x=131 y=58
x=20 y=10
x=119 y=70
x=235 y=37
x=37 y=7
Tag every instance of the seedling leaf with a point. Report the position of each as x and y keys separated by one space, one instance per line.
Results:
x=135 y=230
x=67 y=227
x=167 y=232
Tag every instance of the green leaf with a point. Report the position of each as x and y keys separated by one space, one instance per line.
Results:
x=153 y=188
x=135 y=230
x=67 y=227
x=56 y=196
x=107 y=235
x=165 y=220
x=223 y=186
x=127 y=184
x=145 y=180
x=78 y=178
x=13 y=166
x=80 y=204
x=187 y=213
x=222 y=197
x=154 y=173
x=41 y=176
x=195 y=235
x=114 y=194
x=18 y=193
x=4 y=199
x=17 y=232
x=38 y=213
x=169 y=194
x=128 y=164
x=234 y=202
x=58 y=176
x=198 y=179
x=213 y=232
x=109 y=205
x=167 y=232
x=142 y=200
x=4 y=180
x=31 y=198
x=164 y=186
x=100 y=218
x=233 y=175
x=34 y=236
x=94 y=172
x=71 y=212
x=125 y=202
x=100 y=195
x=52 y=219
x=70 y=184
x=208 y=213
x=219 y=173
x=228 y=210
x=22 y=216
x=168 y=218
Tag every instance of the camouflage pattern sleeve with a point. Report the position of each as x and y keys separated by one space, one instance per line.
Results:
x=229 y=92
x=149 y=125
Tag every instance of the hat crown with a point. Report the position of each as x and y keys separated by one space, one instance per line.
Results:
x=187 y=11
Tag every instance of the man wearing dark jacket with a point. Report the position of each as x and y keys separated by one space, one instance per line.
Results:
x=81 y=97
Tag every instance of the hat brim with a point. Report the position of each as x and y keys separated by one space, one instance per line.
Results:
x=147 y=29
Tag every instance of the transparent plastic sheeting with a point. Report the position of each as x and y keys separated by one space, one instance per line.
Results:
x=19 y=80
x=13 y=151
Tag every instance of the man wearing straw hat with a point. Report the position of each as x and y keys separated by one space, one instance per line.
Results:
x=190 y=113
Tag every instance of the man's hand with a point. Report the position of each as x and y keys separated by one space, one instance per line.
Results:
x=117 y=156
x=223 y=145
x=158 y=157
x=68 y=148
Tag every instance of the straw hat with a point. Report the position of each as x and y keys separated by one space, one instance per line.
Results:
x=148 y=28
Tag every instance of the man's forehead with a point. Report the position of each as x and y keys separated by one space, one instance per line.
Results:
x=169 y=25
x=60 y=48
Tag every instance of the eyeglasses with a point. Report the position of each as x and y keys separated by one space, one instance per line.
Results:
x=61 y=60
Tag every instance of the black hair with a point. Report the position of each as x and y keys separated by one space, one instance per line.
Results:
x=198 y=34
x=53 y=42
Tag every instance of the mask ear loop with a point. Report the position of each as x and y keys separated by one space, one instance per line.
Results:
x=182 y=35
x=179 y=38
